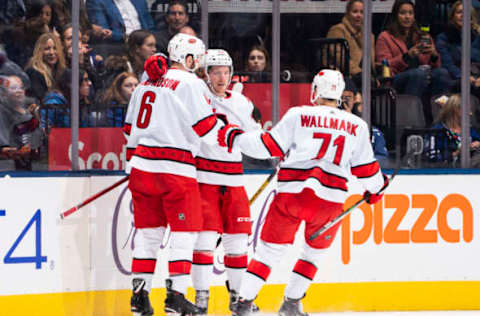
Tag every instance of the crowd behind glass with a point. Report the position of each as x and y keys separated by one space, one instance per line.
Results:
x=411 y=55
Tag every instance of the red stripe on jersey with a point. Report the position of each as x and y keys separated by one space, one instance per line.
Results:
x=202 y=257
x=165 y=153
x=204 y=126
x=259 y=269
x=143 y=265
x=226 y=167
x=305 y=269
x=326 y=179
x=127 y=128
x=235 y=262
x=366 y=171
x=272 y=146
x=130 y=153
x=179 y=267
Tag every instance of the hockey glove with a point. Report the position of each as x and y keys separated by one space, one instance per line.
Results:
x=227 y=134
x=373 y=198
x=156 y=66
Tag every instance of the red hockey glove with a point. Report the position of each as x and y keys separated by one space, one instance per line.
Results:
x=373 y=198
x=227 y=134
x=156 y=66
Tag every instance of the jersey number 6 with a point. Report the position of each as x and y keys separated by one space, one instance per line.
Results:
x=339 y=142
x=145 y=111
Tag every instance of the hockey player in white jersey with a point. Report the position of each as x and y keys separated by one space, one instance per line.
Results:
x=225 y=205
x=325 y=145
x=167 y=118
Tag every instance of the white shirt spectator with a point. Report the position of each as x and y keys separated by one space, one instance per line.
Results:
x=129 y=15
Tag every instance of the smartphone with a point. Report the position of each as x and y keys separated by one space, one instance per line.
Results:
x=425 y=40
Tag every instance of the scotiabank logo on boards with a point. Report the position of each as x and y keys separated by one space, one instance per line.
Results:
x=429 y=208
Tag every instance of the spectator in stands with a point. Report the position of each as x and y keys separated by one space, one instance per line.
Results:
x=9 y=68
x=352 y=102
x=11 y=11
x=122 y=17
x=351 y=30
x=38 y=20
x=114 y=102
x=63 y=17
x=140 y=46
x=88 y=59
x=114 y=65
x=20 y=134
x=449 y=45
x=176 y=18
x=258 y=64
x=411 y=55
x=448 y=141
x=55 y=111
x=46 y=65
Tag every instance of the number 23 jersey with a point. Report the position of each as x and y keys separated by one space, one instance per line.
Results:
x=321 y=146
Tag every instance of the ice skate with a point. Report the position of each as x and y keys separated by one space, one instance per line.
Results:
x=140 y=303
x=201 y=300
x=177 y=304
x=242 y=307
x=234 y=296
x=291 y=307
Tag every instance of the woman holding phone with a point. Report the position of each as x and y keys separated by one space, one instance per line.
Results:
x=414 y=61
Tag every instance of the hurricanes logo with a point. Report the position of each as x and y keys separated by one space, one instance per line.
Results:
x=181 y=216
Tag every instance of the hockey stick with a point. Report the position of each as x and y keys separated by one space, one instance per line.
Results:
x=93 y=198
x=264 y=184
x=337 y=219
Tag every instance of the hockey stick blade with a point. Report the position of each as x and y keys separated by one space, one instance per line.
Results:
x=68 y=212
x=93 y=198
x=337 y=219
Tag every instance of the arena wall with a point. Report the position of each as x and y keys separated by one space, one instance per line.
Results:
x=418 y=249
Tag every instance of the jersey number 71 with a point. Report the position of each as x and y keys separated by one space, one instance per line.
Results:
x=339 y=142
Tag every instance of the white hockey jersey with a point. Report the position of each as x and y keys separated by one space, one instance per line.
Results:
x=321 y=146
x=214 y=164
x=165 y=121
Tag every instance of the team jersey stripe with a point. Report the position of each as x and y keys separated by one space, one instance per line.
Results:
x=305 y=269
x=235 y=262
x=127 y=128
x=366 y=171
x=272 y=146
x=326 y=179
x=217 y=166
x=165 y=153
x=143 y=265
x=205 y=125
x=202 y=258
x=179 y=267
x=130 y=153
x=259 y=269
